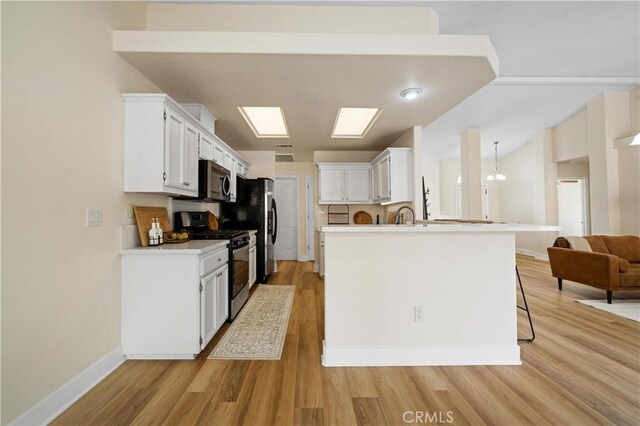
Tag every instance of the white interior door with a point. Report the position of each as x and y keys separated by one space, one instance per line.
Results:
x=286 y=196
x=571 y=214
x=311 y=218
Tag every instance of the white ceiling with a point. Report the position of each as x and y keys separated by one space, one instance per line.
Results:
x=595 y=41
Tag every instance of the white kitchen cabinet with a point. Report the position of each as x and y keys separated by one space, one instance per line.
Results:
x=218 y=154
x=205 y=147
x=392 y=176
x=160 y=146
x=346 y=183
x=214 y=303
x=375 y=182
x=357 y=184
x=174 y=299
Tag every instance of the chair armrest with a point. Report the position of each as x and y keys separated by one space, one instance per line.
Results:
x=597 y=269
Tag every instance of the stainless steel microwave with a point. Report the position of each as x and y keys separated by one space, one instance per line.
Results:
x=214 y=181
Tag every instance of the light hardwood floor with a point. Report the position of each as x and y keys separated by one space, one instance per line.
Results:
x=582 y=369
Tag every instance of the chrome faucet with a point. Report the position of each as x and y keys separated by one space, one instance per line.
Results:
x=413 y=214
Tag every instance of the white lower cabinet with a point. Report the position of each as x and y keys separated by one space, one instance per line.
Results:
x=173 y=303
x=214 y=303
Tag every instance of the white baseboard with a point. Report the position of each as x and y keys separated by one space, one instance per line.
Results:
x=302 y=258
x=53 y=405
x=420 y=355
x=315 y=267
x=534 y=254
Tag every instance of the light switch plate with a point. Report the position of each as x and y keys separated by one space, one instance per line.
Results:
x=94 y=217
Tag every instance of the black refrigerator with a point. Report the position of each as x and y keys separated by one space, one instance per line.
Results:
x=256 y=209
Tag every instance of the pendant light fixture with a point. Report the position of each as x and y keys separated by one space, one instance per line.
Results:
x=496 y=175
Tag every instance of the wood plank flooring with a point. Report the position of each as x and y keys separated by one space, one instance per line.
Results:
x=582 y=369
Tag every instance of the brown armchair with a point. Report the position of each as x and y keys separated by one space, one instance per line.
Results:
x=613 y=264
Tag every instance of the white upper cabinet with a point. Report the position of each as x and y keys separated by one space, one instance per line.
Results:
x=162 y=145
x=345 y=183
x=205 y=147
x=392 y=176
x=386 y=180
x=331 y=184
x=357 y=183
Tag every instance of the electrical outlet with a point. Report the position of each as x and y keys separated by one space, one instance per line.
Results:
x=419 y=313
x=94 y=217
x=130 y=213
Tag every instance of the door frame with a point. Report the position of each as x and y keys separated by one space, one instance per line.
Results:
x=310 y=205
x=586 y=202
x=296 y=178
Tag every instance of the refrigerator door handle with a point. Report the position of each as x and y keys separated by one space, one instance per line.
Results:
x=275 y=221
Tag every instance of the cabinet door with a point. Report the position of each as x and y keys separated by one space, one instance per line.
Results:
x=208 y=305
x=375 y=182
x=205 y=147
x=218 y=154
x=357 y=185
x=190 y=170
x=222 y=296
x=331 y=184
x=227 y=161
x=174 y=149
x=385 y=179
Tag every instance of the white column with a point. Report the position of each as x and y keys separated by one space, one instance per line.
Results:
x=471 y=174
x=607 y=120
x=418 y=207
x=545 y=177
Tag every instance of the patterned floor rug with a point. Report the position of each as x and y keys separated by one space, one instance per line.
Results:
x=625 y=308
x=258 y=332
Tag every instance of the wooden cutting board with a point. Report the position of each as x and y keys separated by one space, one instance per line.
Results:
x=144 y=215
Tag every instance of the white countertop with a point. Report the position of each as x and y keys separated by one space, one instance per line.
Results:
x=190 y=247
x=437 y=227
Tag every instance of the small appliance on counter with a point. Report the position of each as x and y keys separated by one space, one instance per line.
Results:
x=197 y=224
x=255 y=208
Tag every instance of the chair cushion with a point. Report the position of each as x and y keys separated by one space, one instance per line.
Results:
x=631 y=278
x=623 y=265
x=626 y=247
x=597 y=244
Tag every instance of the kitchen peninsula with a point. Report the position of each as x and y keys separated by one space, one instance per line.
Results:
x=434 y=294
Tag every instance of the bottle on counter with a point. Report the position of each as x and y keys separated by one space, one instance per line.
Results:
x=160 y=232
x=153 y=238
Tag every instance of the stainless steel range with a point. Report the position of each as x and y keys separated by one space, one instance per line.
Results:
x=197 y=224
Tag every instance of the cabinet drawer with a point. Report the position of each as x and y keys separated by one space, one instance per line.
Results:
x=212 y=261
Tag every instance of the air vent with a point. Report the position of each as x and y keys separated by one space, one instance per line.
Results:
x=284 y=158
x=284 y=145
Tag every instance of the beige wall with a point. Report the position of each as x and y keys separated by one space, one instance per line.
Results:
x=62 y=131
x=570 y=138
x=263 y=163
x=292 y=18
x=301 y=170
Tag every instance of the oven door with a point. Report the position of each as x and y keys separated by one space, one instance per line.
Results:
x=240 y=269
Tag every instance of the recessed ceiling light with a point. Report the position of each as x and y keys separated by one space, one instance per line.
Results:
x=354 y=122
x=411 y=93
x=266 y=122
